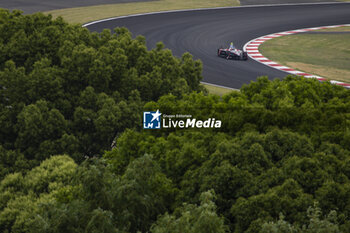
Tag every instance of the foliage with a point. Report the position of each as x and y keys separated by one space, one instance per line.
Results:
x=192 y=219
x=21 y=195
x=328 y=224
x=267 y=159
x=66 y=90
x=263 y=163
x=283 y=144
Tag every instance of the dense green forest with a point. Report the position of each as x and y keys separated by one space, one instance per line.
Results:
x=74 y=156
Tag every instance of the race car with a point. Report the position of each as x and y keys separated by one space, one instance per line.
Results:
x=232 y=53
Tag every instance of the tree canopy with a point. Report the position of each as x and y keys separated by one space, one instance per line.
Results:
x=74 y=156
x=66 y=90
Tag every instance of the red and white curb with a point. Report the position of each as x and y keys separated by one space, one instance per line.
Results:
x=252 y=48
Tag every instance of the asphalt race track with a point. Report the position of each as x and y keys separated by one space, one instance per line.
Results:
x=202 y=32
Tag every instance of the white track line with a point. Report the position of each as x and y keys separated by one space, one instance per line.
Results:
x=252 y=48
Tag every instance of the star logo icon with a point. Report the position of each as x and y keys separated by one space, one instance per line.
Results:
x=151 y=120
x=156 y=115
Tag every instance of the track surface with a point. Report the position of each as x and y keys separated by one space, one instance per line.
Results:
x=202 y=32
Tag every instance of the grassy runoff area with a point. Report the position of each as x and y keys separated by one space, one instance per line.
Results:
x=91 y=13
x=326 y=55
x=217 y=90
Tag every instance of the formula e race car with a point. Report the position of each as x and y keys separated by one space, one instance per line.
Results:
x=232 y=53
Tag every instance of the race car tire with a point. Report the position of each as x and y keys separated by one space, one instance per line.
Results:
x=245 y=56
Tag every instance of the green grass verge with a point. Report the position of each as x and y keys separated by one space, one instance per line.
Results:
x=218 y=90
x=327 y=55
x=339 y=29
x=91 y=13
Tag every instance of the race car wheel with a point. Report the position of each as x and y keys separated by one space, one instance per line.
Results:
x=245 y=56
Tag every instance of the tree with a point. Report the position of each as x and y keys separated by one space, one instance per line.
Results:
x=59 y=79
x=314 y=213
x=192 y=219
x=22 y=195
x=143 y=193
x=38 y=128
x=11 y=162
